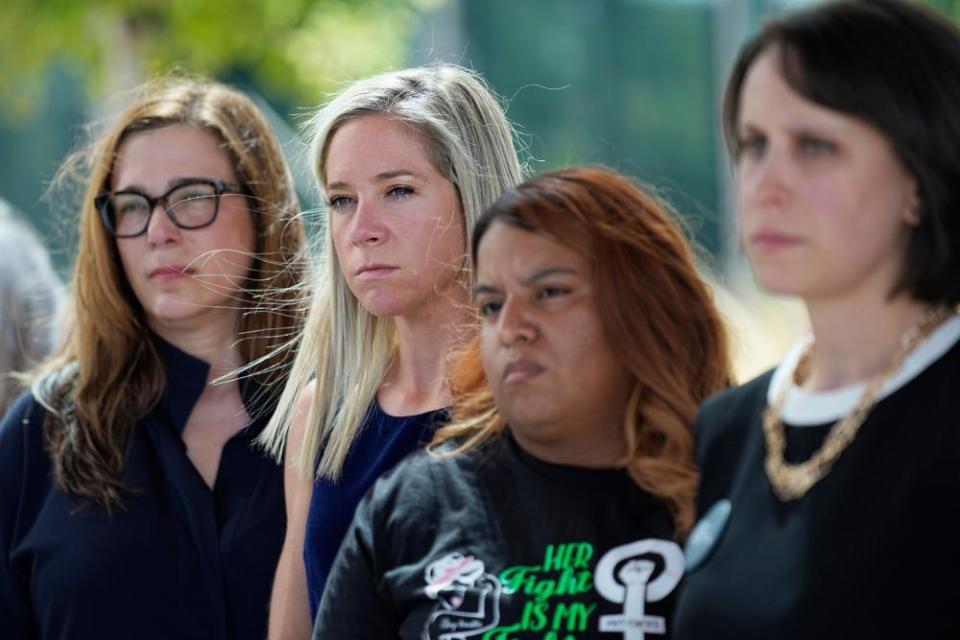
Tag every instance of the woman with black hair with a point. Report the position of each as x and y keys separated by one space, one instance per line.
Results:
x=830 y=492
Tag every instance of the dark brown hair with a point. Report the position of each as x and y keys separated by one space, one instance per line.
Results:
x=893 y=65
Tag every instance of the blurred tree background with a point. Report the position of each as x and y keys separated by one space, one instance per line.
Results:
x=292 y=49
x=629 y=83
x=65 y=63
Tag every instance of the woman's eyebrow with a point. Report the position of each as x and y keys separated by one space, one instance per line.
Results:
x=550 y=271
x=380 y=177
x=484 y=288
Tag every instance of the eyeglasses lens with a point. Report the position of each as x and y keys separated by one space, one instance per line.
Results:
x=190 y=206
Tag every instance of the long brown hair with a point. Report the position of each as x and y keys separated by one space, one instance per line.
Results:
x=108 y=373
x=656 y=310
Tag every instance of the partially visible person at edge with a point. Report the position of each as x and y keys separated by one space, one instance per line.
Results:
x=830 y=489
x=133 y=503
x=406 y=162
x=31 y=296
x=553 y=504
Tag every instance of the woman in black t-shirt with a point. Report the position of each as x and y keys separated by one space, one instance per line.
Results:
x=830 y=496
x=551 y=506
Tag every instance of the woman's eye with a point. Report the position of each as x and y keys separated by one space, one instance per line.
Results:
x=339 y=202
x=132 y=207
x=400 y=191
x=489 y=308
x=751 y=145
x=551 y=292
x=817 y=146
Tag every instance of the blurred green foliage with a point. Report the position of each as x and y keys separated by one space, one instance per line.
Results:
x=625 y=83
x=294 y=49
x=950 y=8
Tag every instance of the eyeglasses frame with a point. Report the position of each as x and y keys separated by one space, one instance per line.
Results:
x=220 y=188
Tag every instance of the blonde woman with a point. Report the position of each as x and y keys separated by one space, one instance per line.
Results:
x=132 y=502
x=406 y=161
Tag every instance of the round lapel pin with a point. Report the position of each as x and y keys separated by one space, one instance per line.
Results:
x=706 y=534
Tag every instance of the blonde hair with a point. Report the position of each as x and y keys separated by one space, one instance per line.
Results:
x=343 y=347
x=108 y=374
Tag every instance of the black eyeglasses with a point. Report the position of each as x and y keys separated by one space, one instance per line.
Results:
x=190 y=205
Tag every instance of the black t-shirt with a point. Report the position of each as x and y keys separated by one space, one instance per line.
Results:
x=872 y=550
x=497 y=544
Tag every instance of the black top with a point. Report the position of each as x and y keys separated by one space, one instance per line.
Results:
x=871 y=551
x=382 y=442
x=179 y=561
x=499 y=545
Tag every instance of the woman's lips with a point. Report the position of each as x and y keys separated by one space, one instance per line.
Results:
x=773 y=240
x=521 y=371
x=374 y=271
x=169 y=273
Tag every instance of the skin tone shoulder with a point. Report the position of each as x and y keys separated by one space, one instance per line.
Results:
x=553 y=373
x=187 y=280
x=826 y=210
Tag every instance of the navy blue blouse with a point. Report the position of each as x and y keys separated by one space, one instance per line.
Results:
x=383 y=441
x=178 y=561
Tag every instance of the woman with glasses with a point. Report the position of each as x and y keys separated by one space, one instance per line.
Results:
x=132 y=502
x=830 y=490
x=406 y=161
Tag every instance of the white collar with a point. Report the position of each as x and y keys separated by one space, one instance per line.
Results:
x=803 y=408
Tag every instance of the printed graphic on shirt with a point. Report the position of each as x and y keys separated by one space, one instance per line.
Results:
x=556 y=599
x=625 y=575
x=468 y=598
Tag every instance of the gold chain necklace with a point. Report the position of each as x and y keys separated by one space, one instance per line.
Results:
x=792 y=481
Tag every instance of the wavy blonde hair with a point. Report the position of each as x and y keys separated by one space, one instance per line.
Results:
x=108 y=373
x=654 y=306
x=344 y=348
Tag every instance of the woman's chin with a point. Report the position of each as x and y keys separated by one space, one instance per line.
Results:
x=385 y=306
x=171 y=310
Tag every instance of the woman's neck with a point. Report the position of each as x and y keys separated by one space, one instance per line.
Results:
x=855 y=339
x=215 y=345
x=418 y=382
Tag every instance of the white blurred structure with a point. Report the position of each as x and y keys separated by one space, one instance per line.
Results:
x=762 y=327
x=30 y=301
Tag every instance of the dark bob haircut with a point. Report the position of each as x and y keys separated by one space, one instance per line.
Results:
x=895 y=66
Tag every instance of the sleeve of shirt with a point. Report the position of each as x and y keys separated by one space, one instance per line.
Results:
x=353 y=605
x=16 y=614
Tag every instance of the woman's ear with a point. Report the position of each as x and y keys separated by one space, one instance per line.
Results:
x=911 y=212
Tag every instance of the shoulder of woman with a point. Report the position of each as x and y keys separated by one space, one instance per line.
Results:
x=301 y=410
x=734 y=403
x=26 y=414
x=416 y=487
x=415 y=474
x=21 y=436
x=730 y=413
